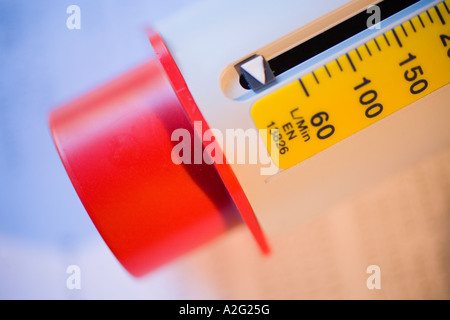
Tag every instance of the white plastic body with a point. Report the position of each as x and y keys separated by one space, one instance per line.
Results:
x=210 y=37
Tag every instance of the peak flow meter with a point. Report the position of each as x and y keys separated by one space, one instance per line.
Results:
x=257 y=114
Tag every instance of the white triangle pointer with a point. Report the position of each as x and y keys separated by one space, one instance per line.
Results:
x=255 y=68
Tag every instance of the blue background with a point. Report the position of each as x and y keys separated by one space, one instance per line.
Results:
x=43 y=226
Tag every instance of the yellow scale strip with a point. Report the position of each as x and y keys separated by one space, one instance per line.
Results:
x=359 y=88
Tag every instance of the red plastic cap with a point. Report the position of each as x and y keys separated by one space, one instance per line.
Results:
x=195 y=116
x=115 y=144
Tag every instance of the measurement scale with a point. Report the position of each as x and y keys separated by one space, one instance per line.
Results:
x=358 y=88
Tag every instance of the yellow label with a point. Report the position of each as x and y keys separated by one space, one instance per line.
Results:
x=359 y=88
